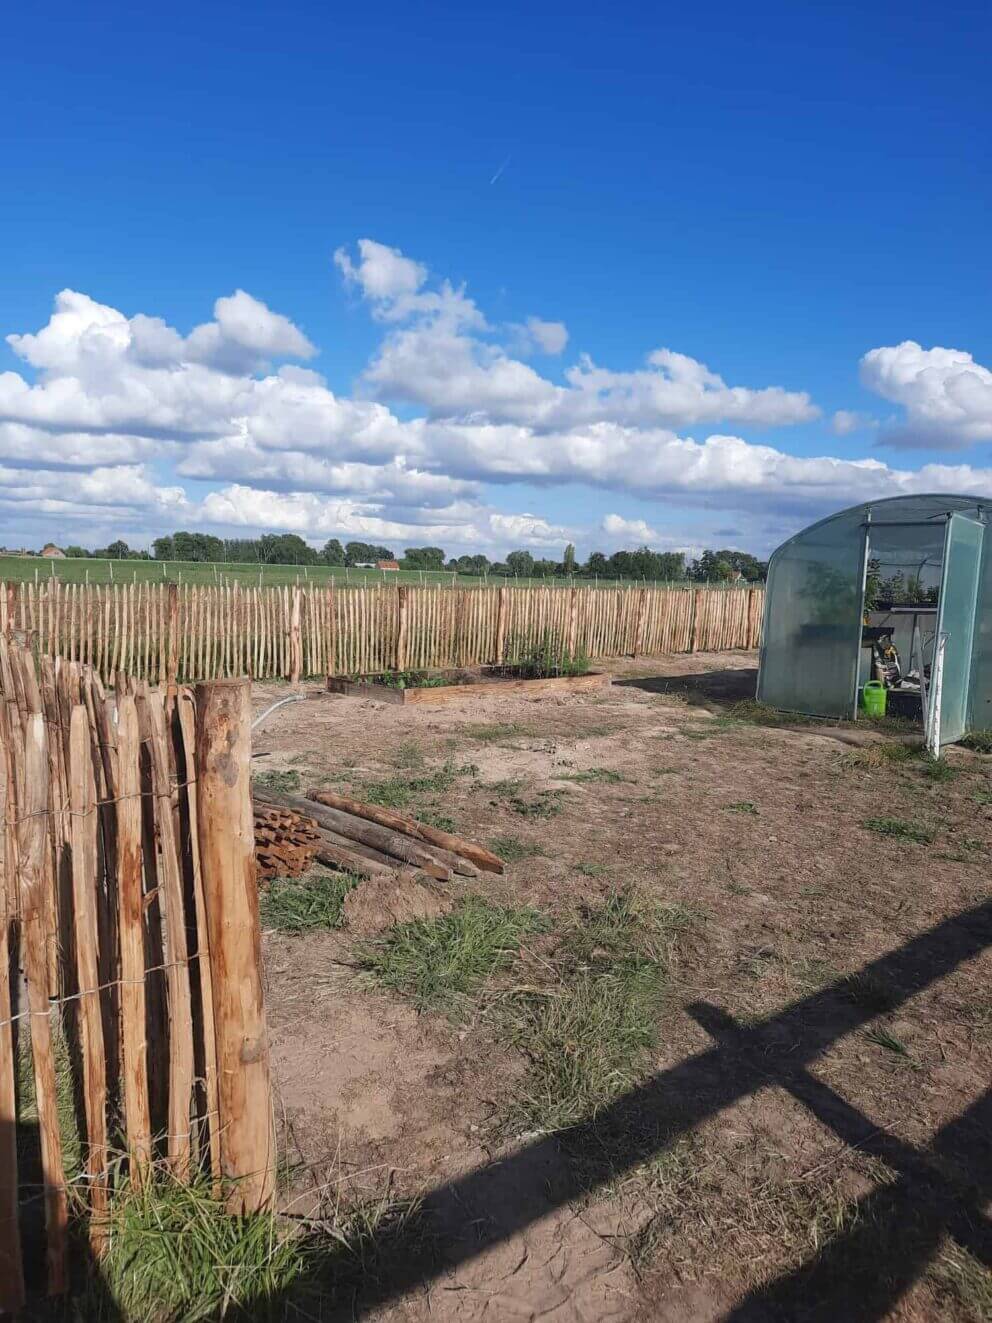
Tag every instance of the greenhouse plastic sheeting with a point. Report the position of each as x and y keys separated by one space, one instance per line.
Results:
x=811 y=641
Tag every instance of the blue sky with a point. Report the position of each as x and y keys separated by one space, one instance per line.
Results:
x=796 y=197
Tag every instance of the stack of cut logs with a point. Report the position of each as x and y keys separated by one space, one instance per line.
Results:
x=365 y=839
x=285 y=842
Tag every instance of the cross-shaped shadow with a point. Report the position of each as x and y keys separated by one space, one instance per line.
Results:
x=860 y=1274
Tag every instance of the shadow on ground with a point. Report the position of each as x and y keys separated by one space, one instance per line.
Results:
x=885 y=1242
x=702 y=689
x=859 y=1275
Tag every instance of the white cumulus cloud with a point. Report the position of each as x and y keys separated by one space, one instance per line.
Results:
x=946 y=395
x=127 y=417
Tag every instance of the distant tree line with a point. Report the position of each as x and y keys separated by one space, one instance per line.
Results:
x=291 y=549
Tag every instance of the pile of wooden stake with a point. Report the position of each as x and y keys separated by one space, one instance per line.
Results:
x=360 y=838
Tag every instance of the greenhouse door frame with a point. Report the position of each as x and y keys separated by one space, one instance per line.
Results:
x=946 y=718
x=944 y=715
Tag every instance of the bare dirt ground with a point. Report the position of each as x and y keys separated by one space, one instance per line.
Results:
x=800 y=1147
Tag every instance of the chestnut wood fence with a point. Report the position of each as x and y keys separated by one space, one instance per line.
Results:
x=132 y=1030
x=164 y=633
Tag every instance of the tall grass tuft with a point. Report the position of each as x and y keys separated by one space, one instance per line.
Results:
x=588 y=1035
x=300 y=904
x=174 y=1253
x=440 y=964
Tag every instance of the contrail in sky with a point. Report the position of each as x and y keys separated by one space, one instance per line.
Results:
x=499 y=171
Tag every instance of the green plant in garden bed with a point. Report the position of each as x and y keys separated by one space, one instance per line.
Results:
x=547 y=657
x=407 y=679
x=300 y=904
x=440 y=964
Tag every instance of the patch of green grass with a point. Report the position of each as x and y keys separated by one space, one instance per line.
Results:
x=285 y=783
x=398 y=792
x=592 y=870
x=28 y=1142
x=442 y=821
x=978 y=741
x=175 y=1252
x=300 y=904
x=604 y=774
x=900 y=830
x=495 y=732
x=410 y=755
x=545 y=804
x=983 y=797
x=938 y=771
x=586 y=1041
x=882 y=1037
x=743 y=806
x=812 y=971
x=441 y=964
x=883 y=753
x=588 y=1036
x=505 y=789
x=511 y=849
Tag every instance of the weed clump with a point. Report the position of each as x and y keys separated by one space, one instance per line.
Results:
x=511 y=849
x=441 y=964
x=882 y=754
x=174 y=1251
x=900 y=830
x=301 y=904
x=588 y=1035
x=978 y=741
x=284 y=783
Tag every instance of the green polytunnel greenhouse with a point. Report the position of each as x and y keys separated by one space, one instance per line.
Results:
x=895 y=595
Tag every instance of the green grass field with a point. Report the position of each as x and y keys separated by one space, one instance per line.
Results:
x=25 y=569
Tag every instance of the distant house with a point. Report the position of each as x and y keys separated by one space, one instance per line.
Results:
x=363 y=565
x=387 y=564
x=52 y=551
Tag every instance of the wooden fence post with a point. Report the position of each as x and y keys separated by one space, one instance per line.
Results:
x=227 y=862
x=401 y=627
x=11 y=1267
x=32 y=843
x=295 y=650
x=172 y=664
x=331 y=636
x=137 y=1111
x=83 y=836
x=501 y=620
x=573 y=620
x=642 y=613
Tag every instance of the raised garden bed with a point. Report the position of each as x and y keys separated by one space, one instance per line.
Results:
x=458 y=683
